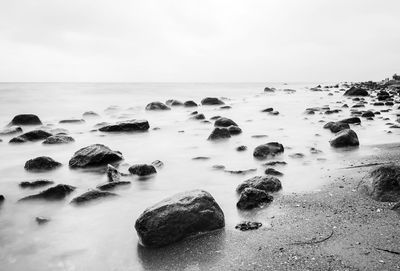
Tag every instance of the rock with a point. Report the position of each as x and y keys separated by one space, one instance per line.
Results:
x=265 y=183
x=368 y=114
x=241 y=171
x=198 y=117
x=274 y=163
x=58 y=139
x=201 y=158
x=336 y=126
x=268 y=89
x=157 y=106
x=189 y=104
x=269 y=149
x=353 y=120
x=382 y=183
x=273 y=172
x=142 y=170
x=224 y=122
x=41 y=163
x=315 y=151
x=127 y=126
x=345 y=138
x=174 y=103
x=241 y=148
x=354 y=91
x=248 y=225
x=211 y=101
x=269 y=109
x=157 y=163
x=274 y=113
x=94 y=155
x=219 y=133
x=178 y=217
x=25 y=119
x=225 y=107
x=252 y=198
x=91 y=196
x=234 y=130
x=72 y=121
x=2 y=198
x=113 y=174
x=35 y=184
x=11 y=130
x=90 y=114
x=215 y=117
x=57 y=192
x=112 y=185
x=42 y=220
x=34 y=135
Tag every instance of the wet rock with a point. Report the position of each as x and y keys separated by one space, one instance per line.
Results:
x=41 y=163
x=174 y=102
x=368 y=114
x=211 y=101
x=113 y=174
x=34 y=135
x=268 y=89
x=259 y=136
x=198 y=117
x=25 y=119
x=2 y=199
x=127 y=126
x=269 y=109
x=11 y=130
x=355 y=91
x=157 y=163
x=382 y=184
x=274 y=163
x=157 y=106
x=226 y=107
x=224 y=122
x=378 y=104
x=201 y=158
x=241 y=171
x=142 y=170
x=248 y=225
x=42 y=220
x=241 y=148
x=273 y=172
x=90 y=114
x=219 y=133
x=178 y=217
x=345 y=138
x=35 y=184
x=265 y=183
x=58 y=139
x=92 y=195
x=57 y=192
x=94 y=155
x=353 y=120
x=112 y=185
x=215 y=117
x=72 y=121
x=274 y=113
x=336 y=126
x=251 y=198
x=266 y=150
x=234 y=130
x=189 y=104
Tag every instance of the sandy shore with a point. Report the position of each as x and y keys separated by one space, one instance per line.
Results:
x=335 y=228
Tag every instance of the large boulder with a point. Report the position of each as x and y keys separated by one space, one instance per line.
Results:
x=267 y=184
x=267 y=150
x=34 y=135
x=41 y=163
x=211 y=101
x=94 y=155
x=219 y=133
x=345 y=138
x=252 y=198
x=177 y=217
x=224 y=122
x=127 y=126
x=92 y=195
x=355 y=91
x=157 y=106
x=57 y=192
x=58 y=139
x=142 y=170
x=382 y=184
x=25 y=119
x=336 y=126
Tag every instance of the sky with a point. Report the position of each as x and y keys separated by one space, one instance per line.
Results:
x=198 y=41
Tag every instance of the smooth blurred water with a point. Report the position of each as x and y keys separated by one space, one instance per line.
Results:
x=101 y=236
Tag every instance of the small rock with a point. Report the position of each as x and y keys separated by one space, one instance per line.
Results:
x=224 y=122
x=345 y=138
x=273 y=172
x=219 y=133
x=57 y=192
x=41 y=163
x=35 y=184
x=91 y=196
x=94 y=155
x=34 y=135
x=252 y=198
x=265 y=183
x=241 y=148
x=112 y=185
x=211 y=101
x=142 y=170
x=234 y=130
x=72 y=121
x=266 y=150
x=127 y=126
x=157 y=106
x=189 y=104
x=113 y=174
x=58 y=139
x=42 y=220
x=248 y=225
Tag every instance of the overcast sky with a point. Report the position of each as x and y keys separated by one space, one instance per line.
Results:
x=199 y=41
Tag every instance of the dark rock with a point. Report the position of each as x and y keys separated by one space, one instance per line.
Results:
x=336 y=126
x=57 y=192
x=41 y=163
x=42 y=220
x=11 y=130
x=91 y=196
x=353 y=120
x=215 y=117
x=174 y=102
x=252 y=198
x=274 y=163
x=201 y=158
x=112 y=185
x=94 y=155
x=274 y=113
x=2 y=198
x=34 y=135
x=58 y=139
x=198 y=117
x=219 y=133
x=189 y=104
x=90 y=114
x=157 y=106
x=267 y=150
x=178 y=217
x=25 y=119
x=345 y=138
x=248 y=225
x=265 y=183
x=211 y=101
x=127 y=126
x=382 y=184
x=273 y=172
x=72 y=121
x=234 y=130
x=269 y=109
x=224 y=122
x=142 y=170
x=113 y=174
x=378 y=104
x=241 y=148
x=35 y=184
x=354 y=91
x=368 y=114
x=268 y=89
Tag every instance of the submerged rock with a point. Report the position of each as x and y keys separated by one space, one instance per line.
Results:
x=142 y=170
x=34 y=135
x=345 y=138
x=157 y=106
x=94 y=155
x=252 y=198
x=268 y=89
x=112 y=185
x=173 y=102
x=157 y=163
x=57 y=192
x=383 y=184
x=269 y=149
x=354 y=91
x=273 y=172
x=198 y=117
x=41 y=163
x=189 y=104
x=35 y=184
x=72 y=121
x=42 y=220
x=25 y=119
x=353 y=120
x=11 y=130
x=178 y=217
x=336 y=126
x=219 y=133
x=224 y=122
x=234 y=130
x=91 y=196
x=265 y=183
x=211 y=101
x=248 y=225
x=127 y=126
x=90 y=114
x=58 y=139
